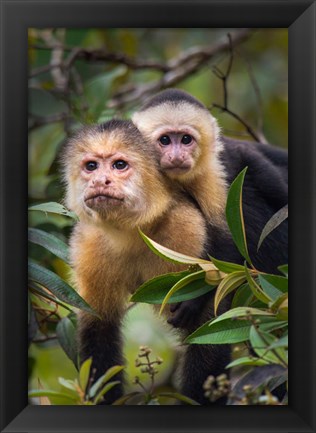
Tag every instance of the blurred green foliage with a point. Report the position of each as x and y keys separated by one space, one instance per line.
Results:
x=67 y=90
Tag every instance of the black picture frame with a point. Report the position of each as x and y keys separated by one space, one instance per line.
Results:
x=18 y=15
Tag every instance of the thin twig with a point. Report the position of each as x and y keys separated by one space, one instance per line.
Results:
x=258 y=97
x=224 y=78
x=243 y=122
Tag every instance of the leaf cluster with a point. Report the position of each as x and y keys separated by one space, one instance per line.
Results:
x=82 y=390
x=258 y=317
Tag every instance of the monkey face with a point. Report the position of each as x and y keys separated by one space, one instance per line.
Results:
x=104 y=176
x=177 y=151
x=181 y=131
x=110 y=178
x=111 y=184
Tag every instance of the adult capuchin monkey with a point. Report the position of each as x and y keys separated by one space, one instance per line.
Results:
x=191 y=152
x=115 y=187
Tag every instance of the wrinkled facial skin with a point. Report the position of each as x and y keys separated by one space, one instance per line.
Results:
x=178 y=152
x=105 y=177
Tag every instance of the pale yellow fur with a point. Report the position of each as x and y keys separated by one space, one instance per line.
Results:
x=206 y=180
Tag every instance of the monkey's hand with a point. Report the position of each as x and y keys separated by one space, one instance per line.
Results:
x=186 y=314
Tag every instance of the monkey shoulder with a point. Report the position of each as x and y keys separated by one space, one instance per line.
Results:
x=182 y=228
x=265 y=191
x=236 y=153
x=266 y=178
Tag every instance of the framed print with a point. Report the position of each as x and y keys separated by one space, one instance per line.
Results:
x=28 y=28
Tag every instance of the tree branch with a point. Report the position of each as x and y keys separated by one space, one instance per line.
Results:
x=178 y=69
x=97 y=55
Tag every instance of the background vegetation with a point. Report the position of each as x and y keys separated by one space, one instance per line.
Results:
x=79 y=76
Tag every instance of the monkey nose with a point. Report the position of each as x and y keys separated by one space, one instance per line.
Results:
x=101 y=181
x=177 y=160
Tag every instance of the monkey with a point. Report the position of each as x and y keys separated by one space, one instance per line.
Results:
x=191 y=151
x=186 y=140
x=114 y=185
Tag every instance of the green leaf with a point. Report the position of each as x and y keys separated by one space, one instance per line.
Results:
x=48 y=393
x=69 y=384
x=242 y=312
x=66 y=334
x=153 y=402
x=183 y=282
x=269 y=324
x=260 y=342
x=227 y=285
x=170 y=255
x=284 y=269
x=155 y=290
x=105 y=378
x=179 y=397
x=224 y=332
x=122 y=400
x=281 y=342
x=283 y=310
x=247 y=360
x=104 y=390
x=268 y=288
x=273 y=223
x=41 y=157
x=242 y=297
x=53 y=207
x=226 y=267
x=50 y=242
x=84 y=373
x=276 y=304
x=280 y=306
x=37 y=290
x=234 y=215
x=57 y=286
x=256 y=289
x=273 y=285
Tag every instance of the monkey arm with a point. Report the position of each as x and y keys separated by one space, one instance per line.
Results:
x=101 y=282
x=102 y=340
x=184 y=314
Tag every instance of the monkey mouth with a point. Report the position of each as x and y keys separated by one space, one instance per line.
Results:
x=176 y=165
x=177 y=169
x=97 y=199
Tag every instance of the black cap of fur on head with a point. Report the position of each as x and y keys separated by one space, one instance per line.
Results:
x=173 y=96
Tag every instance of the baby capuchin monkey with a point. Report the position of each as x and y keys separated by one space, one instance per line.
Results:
x=190 y=151
x=114 y=185
x=185 y=137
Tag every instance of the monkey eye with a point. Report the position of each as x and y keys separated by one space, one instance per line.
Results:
x=165 y=140
x=186 y=139
x=91 y=165
x=120 y=164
